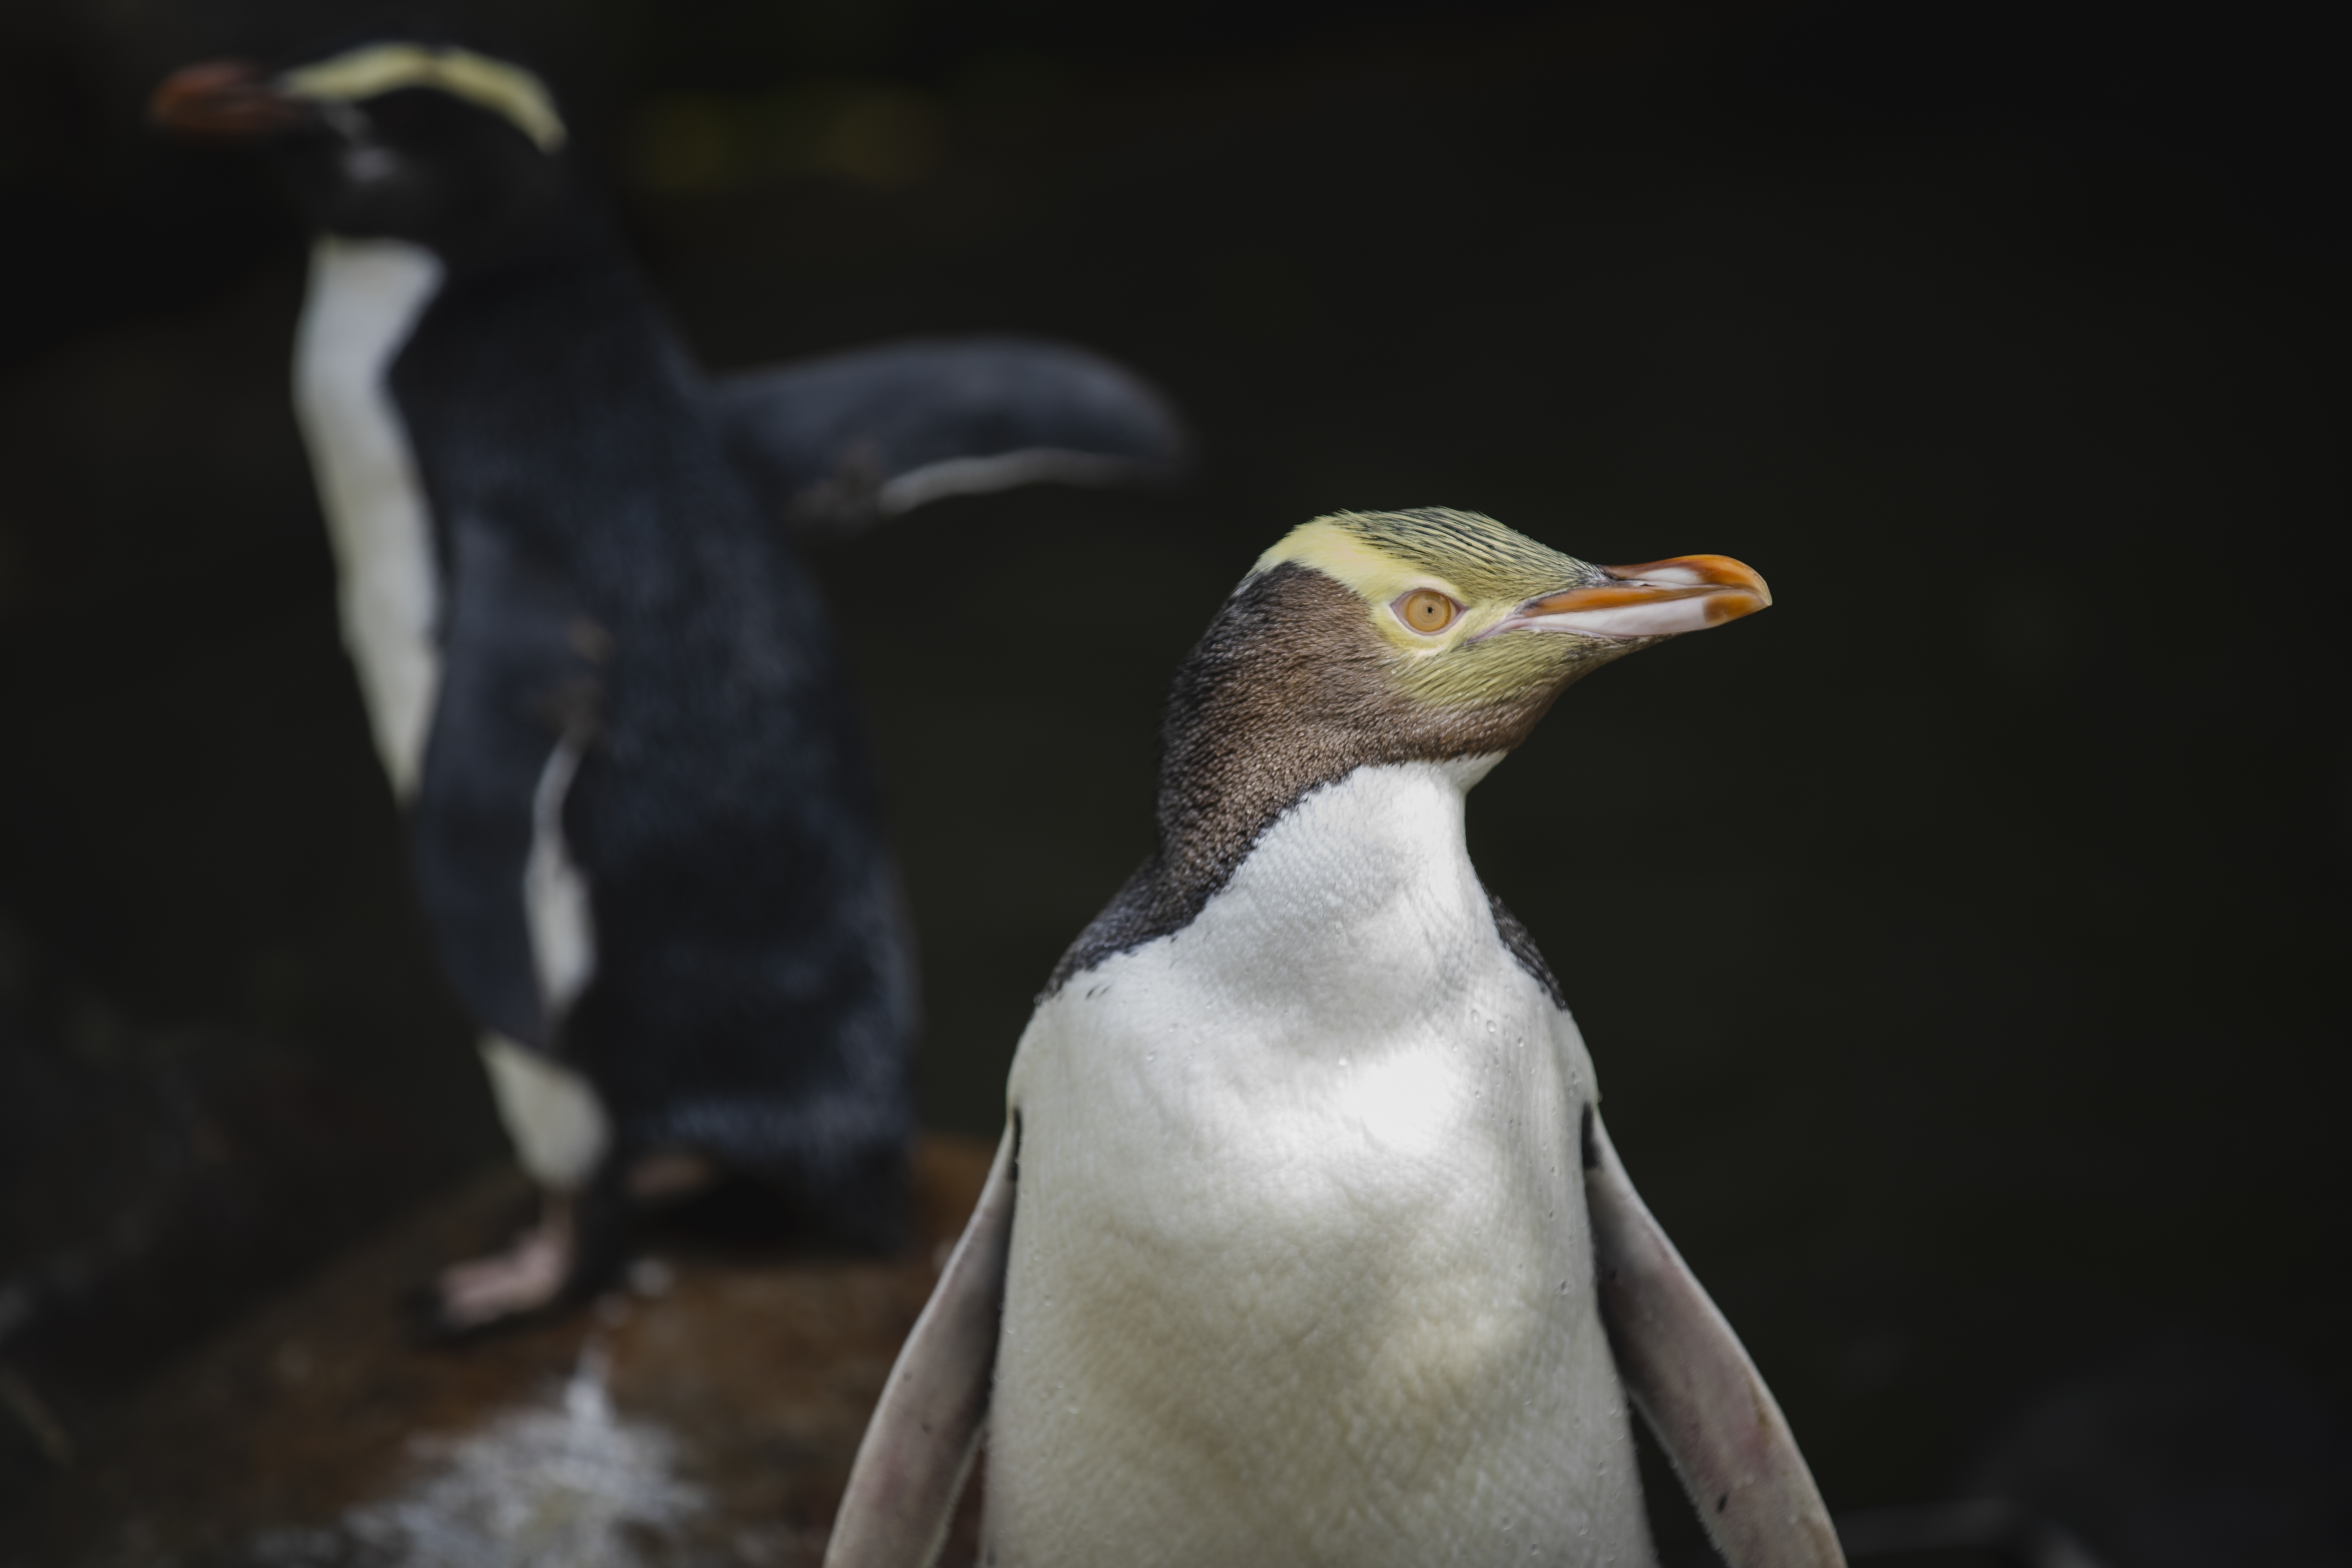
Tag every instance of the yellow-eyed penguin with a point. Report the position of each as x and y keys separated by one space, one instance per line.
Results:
x=645 y=830
x=1305 y=1243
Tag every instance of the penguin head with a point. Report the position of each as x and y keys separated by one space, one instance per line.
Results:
x=392 y=139
x=1443 y=633
x=1367 y=638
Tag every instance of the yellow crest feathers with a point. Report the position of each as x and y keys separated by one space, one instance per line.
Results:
x=375 y=69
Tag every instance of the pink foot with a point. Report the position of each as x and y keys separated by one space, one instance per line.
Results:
x=527 y=1276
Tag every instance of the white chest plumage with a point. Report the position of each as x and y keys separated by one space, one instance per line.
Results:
x=364 y=298
x=1301 y=1271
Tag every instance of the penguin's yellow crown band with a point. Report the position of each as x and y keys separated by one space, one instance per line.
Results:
x=507 y=89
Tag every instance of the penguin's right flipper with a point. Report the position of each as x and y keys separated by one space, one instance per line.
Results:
x=911 y=1463
x=1693 y=1382
x=516 y=681
x=833 y=444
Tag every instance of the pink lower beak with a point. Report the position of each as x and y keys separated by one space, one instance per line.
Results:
x=1660 y=599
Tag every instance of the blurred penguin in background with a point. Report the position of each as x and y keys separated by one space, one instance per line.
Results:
x=645 y=831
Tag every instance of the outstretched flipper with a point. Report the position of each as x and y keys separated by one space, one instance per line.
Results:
x=1696 y=1386
x=911 y=1463
x=835 y=443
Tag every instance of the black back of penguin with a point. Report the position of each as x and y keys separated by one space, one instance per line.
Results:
x=606 y=577
x=751 y=995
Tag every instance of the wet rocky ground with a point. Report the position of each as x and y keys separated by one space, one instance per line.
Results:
x=704 y=1412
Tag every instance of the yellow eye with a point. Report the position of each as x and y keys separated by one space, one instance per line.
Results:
x=1426 y=609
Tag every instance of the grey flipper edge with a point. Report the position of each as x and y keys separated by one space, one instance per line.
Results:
x=1693 y=1383
x=833 y=444
x=912 y=1462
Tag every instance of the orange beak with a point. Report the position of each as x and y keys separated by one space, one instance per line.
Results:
x=1661 y=599
x=223 y=100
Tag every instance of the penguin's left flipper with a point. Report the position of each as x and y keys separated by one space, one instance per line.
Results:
x=833 y=444
x=1693 y=1383
x=910 y=1465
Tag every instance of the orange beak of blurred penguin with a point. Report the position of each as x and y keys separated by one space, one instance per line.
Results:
x=1659 y=599
x=224 y=100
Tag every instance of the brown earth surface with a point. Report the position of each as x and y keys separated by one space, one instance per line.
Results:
x=705 y=1412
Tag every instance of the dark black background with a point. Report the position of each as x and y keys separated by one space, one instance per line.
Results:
x=1962 y=943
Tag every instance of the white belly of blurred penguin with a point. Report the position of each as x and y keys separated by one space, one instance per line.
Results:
x=1303 y=1217
x=365 y=300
